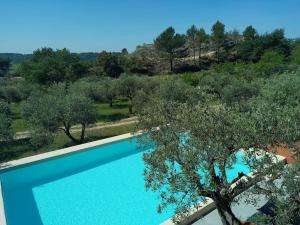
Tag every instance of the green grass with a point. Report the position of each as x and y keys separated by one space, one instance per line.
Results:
x=18 y=123
x=23 y=148
x=118 y=111
x=105 y=113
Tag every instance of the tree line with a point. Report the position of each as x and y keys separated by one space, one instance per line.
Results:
x=195 y=50
x=221 y=46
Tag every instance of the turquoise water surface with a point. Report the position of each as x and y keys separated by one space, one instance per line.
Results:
x=100 y=186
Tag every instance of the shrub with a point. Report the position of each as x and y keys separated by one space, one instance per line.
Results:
x=239 y=91
x=271 y=62
x=4 y=108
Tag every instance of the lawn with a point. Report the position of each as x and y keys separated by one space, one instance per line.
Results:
x=23 y=148
x=118 y=111
x=18 y=123
x=105 y=113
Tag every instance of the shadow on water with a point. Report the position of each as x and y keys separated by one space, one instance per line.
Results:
x=23 y=202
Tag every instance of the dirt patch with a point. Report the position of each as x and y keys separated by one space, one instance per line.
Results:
x=288 y=153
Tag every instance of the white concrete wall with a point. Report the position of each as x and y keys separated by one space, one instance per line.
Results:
x=2 y=211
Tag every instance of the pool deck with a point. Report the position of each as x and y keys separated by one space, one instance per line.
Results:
x=241 y=209
x=2 y=211
x=208 y=210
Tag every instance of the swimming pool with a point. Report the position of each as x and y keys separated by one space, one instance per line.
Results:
x=102 y=185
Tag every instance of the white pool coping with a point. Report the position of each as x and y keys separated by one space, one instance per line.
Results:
x=2 y=211
x=195 y=214
x=65 y=151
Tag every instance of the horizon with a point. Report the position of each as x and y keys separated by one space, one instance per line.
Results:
x=92 y=26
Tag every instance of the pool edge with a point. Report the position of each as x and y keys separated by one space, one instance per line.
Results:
x=64 y=151
x=2 y=210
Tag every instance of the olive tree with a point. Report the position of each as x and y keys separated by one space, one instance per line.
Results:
x=109 y=90
x=238 y=91
x=90 y=87
x=59 y=109
x=282 y=89
x=6 y=132
x=196 y=149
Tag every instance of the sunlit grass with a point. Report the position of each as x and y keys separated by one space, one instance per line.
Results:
x=23 y=148
x=105 y=113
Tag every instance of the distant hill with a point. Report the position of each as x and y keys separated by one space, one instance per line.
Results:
x=88 y=56
x=17 y=58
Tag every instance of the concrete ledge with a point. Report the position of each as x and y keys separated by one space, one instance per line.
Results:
x=65 y=151
x=195 y=214
x=2 y=211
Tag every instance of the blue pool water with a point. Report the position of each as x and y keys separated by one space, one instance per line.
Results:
x=100 y=186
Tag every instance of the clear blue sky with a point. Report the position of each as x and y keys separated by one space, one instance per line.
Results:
x=95 y=25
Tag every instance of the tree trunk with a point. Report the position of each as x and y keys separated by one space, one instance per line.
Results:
x=226 y=214
x=171 y=63
x=82 y=133
x=67 y=132
x=200 y=62
x=194 y=52
x=130 y=106
x=218 y=53
x=110 y=102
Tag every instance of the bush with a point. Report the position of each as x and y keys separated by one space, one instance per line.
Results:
x=91 y=89
x=282 y=89
x=239 y=91
x=271 y=62
x=214 y=83
x=10 y=93
x=295 y=56
x=186 y=68
x=6 y=133
x=178 y=91
x=4 y=108
x=192 y=79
